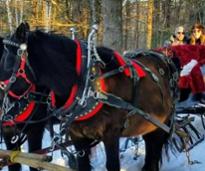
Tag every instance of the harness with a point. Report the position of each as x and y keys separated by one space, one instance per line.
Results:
x=131 y=68
x=97 y=86
x=86 y=100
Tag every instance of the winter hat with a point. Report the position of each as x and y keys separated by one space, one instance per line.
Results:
x=179 y=29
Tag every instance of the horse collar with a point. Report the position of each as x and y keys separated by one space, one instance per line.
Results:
x=91 y=105
x=96 y=88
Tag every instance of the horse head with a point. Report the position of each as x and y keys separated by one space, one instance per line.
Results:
x=16 y=75
x=30 y=55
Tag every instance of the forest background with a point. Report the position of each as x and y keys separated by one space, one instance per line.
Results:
x=123 y=24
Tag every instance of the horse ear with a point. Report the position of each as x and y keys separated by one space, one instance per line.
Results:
x=22 y=32
x=27 y=26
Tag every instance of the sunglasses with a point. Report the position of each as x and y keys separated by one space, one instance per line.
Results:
x=196 y=31
x=180 y=33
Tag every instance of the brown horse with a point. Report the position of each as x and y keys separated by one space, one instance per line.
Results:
x=109 y=97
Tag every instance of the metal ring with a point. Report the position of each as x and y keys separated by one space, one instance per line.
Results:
x=14 y=139
x=21 y=71
x=2 y=85
x=12 y=79
x=81 y=153
x=95 y=95
x=121 y=69
x=161 y=71
x=20 y=52
x=92 y=77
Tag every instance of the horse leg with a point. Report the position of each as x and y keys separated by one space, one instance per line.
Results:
x=8 y=133
x=35 y=136
x=154 y=142
x=82 y=146
x=112 y=153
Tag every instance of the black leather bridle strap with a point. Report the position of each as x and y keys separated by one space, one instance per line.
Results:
x=119 y=103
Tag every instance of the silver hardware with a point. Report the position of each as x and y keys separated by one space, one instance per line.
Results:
x=12 y=79
x=73 y=31
x=14 y=139
x=98 y=95
x=90 y=48
x=23 y=46
x=81 y=153
x=2 y=85
x=8 y=42
x=6 y=105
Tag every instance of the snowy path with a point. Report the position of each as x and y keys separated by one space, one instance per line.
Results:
x=128 y=163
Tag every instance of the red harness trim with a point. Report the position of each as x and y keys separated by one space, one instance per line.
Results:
x=24 y=115
x=140 y=72
x=78 y=70
x=79 y=59
x=71 y=97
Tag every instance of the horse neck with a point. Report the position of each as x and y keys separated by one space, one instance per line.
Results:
x=53 y=61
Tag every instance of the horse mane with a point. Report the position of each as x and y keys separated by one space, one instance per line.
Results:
x=49 y=36
x=105 y=53
x=108 y=57
x=53 y=55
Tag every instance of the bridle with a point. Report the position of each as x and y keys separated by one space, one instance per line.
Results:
x=31 y=93
x=19 y=71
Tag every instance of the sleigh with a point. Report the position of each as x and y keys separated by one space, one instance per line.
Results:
x=189 y=59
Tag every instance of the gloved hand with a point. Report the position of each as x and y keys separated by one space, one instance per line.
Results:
x=188 y=68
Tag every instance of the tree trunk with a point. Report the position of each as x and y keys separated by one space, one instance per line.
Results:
x=48 y=8
x=149 y=23
x=92 y=12
x=16 y=13
x=112 y=21
x=21 y=11
x=137 y=27
x=9 y=16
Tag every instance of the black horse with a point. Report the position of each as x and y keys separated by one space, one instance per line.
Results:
x=24 y=120
x=110 y=98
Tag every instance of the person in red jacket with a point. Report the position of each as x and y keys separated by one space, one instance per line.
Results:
x=190 y=58
x=191 y=78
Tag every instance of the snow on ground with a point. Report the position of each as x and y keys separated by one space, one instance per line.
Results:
x=177 y=162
